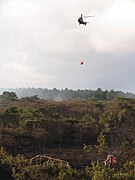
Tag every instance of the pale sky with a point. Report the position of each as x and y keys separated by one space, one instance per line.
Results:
x=41 y=44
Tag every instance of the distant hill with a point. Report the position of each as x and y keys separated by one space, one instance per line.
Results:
x=64 y=94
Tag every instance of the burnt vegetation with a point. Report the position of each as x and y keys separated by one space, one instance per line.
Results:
x=80 y=132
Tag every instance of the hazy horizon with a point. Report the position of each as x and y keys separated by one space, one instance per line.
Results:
x=15 y=88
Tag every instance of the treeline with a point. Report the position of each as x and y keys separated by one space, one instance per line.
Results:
x=63 y=94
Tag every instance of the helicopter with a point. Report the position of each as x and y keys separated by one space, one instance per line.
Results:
x=81 y=21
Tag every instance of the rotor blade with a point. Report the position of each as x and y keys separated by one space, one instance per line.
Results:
x=87 y=16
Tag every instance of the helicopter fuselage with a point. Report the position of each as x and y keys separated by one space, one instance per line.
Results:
x=81 y=21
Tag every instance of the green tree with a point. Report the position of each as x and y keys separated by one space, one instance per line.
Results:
x=99 y=171
x=102 y=145
x=11 y=116
x=9 y=96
